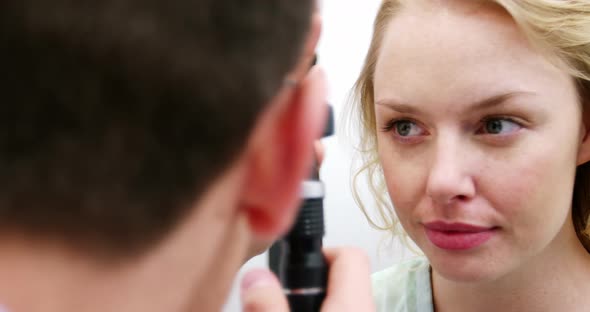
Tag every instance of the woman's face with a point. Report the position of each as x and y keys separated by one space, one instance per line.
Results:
x=478 y=135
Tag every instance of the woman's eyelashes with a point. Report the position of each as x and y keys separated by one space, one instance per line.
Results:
x=405 y=130
x=499 y=126
x=408 y=130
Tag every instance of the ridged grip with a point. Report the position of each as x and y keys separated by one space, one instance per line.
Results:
x=310 y=222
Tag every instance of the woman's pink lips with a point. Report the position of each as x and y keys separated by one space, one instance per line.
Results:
x=457 y=236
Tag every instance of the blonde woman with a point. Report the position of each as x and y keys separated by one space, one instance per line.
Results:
x=475 y=118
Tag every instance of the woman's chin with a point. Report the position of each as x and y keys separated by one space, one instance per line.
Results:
x=464 y=268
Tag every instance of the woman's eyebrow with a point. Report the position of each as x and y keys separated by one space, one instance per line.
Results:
x=483 y=104
x=496 y=100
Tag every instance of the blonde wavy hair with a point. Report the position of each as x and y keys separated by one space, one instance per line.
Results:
x=559 y=28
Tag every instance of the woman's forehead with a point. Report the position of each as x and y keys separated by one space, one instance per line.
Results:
x=458 y=60
x=449 y=50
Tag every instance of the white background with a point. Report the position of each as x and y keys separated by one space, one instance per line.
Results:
x=347 y=29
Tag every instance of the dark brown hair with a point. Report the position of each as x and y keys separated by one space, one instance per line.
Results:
x=115 y=115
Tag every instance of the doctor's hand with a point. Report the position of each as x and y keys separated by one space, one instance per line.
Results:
x=349 y=286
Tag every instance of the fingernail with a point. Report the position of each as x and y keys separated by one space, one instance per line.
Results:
x=256 y=279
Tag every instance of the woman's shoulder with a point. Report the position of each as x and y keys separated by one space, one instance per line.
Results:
x=404 y=287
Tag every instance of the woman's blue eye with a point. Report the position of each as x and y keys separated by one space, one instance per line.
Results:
x=406 y=128
x=500 y=126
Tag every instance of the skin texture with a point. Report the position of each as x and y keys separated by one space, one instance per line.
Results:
x=476 y=126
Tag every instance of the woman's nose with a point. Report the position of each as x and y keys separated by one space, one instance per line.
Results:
x=449 y=178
